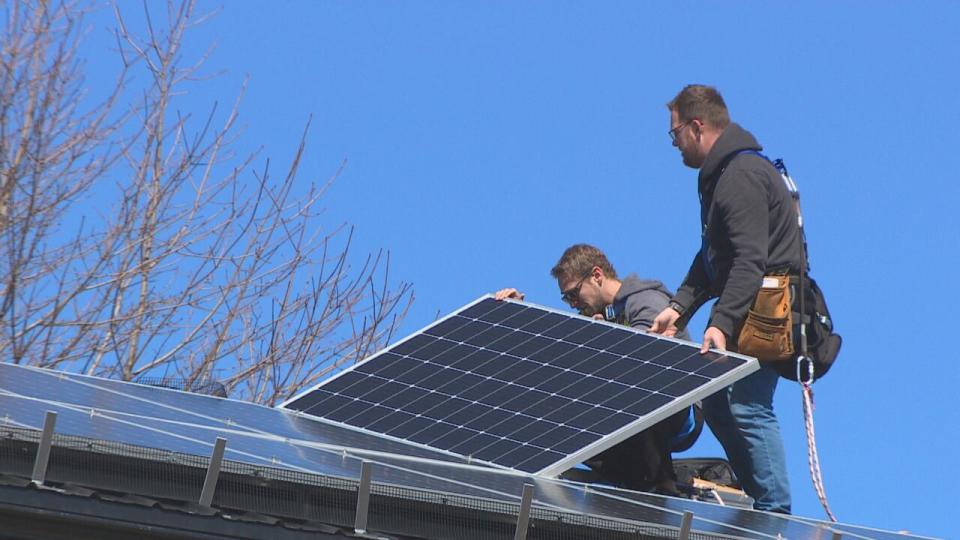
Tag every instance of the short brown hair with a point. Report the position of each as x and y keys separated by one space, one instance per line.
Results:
x=578 y=261
x=703 y=103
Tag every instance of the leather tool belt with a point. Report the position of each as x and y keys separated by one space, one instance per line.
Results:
x=767 y=332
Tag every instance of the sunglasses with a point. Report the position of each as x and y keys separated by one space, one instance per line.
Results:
x=572 y=294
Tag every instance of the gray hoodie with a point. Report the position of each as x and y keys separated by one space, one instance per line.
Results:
x=639 y=301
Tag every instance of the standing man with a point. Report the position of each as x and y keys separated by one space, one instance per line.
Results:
x=589 y=283
x=749 y=229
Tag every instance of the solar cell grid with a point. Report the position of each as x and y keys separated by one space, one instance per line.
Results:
x=516 y=385
x=541 y=324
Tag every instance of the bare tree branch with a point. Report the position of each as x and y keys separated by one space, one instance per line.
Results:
x=190 y=263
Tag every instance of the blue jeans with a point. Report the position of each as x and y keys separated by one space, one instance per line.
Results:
x=741 y=417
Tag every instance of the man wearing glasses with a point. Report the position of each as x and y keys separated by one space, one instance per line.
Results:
x=749 y=229
x=589 y=284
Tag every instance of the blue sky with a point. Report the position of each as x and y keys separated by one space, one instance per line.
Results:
x=482 y=139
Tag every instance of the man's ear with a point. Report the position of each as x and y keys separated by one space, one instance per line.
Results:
x=597 y=274
x=696 y=127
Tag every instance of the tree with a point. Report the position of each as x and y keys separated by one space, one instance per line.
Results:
x=193 y=264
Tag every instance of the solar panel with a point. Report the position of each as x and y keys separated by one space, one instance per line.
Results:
x=521 y=386
x=106 y=410
x=173 y=421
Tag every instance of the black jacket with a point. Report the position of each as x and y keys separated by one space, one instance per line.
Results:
x=750 y=227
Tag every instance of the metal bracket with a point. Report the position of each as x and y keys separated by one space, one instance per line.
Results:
x=213 y=473
x=523 y=519
x=363 y=498
x=686 y=522
x=43 y=449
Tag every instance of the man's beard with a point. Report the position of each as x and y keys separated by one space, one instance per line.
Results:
x=588 y=311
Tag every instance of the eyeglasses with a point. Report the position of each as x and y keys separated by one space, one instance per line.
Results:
x=676 y=131
x=572 y=294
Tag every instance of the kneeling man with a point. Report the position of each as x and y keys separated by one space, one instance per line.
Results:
x=589 y=284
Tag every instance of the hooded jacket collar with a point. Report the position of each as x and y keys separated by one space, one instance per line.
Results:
x=631 y=285
x=733 y=139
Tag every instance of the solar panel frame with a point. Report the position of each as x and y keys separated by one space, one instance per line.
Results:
x=554 y=324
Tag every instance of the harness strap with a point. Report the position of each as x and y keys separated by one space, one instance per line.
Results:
x=791 y=188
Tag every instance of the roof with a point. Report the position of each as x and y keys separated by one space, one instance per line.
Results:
x=124 y=456
x=69 y=512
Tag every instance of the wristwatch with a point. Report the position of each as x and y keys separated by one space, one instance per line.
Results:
x=676 y=307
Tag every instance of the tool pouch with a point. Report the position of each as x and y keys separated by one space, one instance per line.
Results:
x=767 y=332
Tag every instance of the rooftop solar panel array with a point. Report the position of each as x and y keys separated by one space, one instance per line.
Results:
x=521 y=386
x=172 y=421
